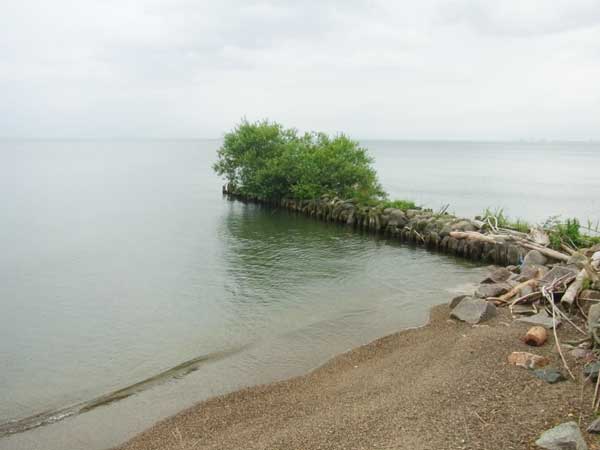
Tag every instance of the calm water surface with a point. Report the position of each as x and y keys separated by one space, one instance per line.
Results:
x=121 y=260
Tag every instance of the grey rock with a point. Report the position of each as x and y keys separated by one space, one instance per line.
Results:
x=532 y=270
x=525 y=290
x=463 y=225
x=492 y=290
x=549 y=375
x=473 y=310
x=591 y=370
x=556 y=273
x=523 y=309
x=581 y=353
x=497 y=276
x=577 y=259
x=456 y=300
x=594 y=427
x=533 y=257
x=589 y=294
x=565 y=436
x=542 y=318
x=593 y=320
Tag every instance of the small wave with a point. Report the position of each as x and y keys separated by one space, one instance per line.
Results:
x=56 y=415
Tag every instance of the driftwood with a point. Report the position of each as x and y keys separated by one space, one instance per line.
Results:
x=501 y=238
x=545 y=251
x=550 y=297
x=473 y=236
x=514 y=291
x=573 y=290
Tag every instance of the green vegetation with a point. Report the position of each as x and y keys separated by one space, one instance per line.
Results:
x=568 y=232
x=268 y=161
x=500 y=220
x=399 y=204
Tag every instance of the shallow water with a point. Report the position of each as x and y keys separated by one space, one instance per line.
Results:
x=121 y=261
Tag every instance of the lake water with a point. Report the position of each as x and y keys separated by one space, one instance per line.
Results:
x=123 y=267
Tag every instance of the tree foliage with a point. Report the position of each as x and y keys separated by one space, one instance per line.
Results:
x=266 y=160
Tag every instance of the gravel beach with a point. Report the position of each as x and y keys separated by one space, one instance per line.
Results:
x=446 y=385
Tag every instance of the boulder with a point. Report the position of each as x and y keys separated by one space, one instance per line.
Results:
x=473 y=310
x=591 y=370
x=589 y=294
x=549 y=375
x=565 y=436
x=594 y=427
x=532 y=271
x=492 y=290
x=577 y=259
x=542 y=318
x=527 y=360
x=593 y=320
x=582 y=353
x=557 y=272
x=497 y=276
x=456 y=300
x=463 y=225
x=533 y=257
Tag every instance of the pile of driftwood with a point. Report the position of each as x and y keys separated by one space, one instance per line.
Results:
x=556 y=289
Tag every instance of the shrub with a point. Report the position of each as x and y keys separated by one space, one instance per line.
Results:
x=263 y=159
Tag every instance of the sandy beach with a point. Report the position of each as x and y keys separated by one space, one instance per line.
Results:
x=446 y=385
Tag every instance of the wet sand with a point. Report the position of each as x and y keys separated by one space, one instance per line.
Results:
x=446 y=385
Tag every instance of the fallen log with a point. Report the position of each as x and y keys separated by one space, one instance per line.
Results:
x=473 y=236
x=504 y=298
x=544 y=251
x=573 y=290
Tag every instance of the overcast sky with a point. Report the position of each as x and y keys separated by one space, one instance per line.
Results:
x=427 y=69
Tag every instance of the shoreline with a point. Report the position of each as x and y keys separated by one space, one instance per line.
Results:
x=445 y=384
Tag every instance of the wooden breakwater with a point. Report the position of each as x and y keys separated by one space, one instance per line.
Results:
x=417 y=226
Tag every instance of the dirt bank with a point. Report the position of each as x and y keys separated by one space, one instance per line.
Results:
x=444 y=386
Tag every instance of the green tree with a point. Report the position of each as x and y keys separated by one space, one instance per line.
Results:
x=264 y=159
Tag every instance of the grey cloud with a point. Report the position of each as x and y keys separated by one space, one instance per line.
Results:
x=433 y=68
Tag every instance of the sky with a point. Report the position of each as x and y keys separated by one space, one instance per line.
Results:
x=427 y=69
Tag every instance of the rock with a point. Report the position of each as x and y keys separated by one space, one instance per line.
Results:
x=514 y=269
x=463 y=225
x=565 y=436
x=591 y=370
x=497 y=276
x=492 y=290
x=593 y=320
x=594 y=426
x=527 y=360
x=556 y=273
x=532 y=271
x=533 y=257
x=473 y=310
x=523 y=309
x=577 y=259
x=525 y=290
x=589 y=294
x=596 y=256
x=542 y=318
x=549 y=375
x=456 y=300
x=536 y=336
x=581 y=353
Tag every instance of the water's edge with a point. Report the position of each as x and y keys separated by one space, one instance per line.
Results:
x=56 y=415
